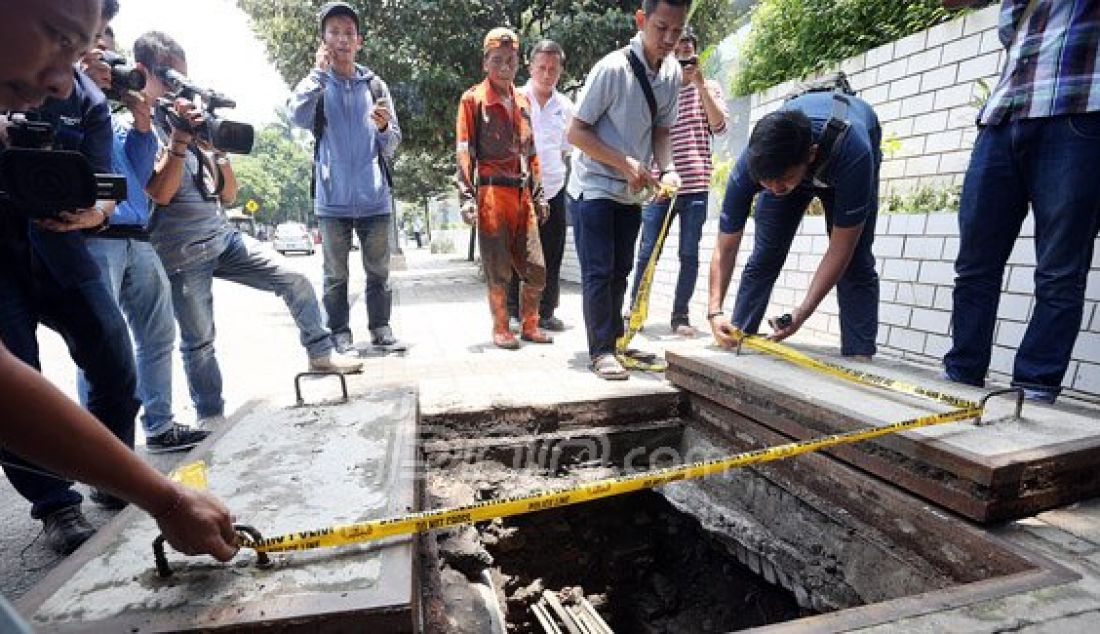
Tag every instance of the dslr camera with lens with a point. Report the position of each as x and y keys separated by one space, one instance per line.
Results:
x=41 y=182
x=223 y=134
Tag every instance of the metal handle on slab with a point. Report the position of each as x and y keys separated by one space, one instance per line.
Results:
x=298 y=384
x=1018 y=391
x=249 y=533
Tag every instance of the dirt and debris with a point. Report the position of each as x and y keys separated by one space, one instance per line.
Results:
x=640 y=563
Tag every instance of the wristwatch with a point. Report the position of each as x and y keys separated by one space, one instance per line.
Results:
x=716 y=313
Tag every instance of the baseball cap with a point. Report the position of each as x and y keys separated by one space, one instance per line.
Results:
x=337 y=8
x=498 y=37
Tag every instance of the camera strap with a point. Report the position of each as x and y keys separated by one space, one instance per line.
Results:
x=647 y=88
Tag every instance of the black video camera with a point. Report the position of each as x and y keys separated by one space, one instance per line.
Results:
x=40 y=182
x=224 y=135
x=124 y=76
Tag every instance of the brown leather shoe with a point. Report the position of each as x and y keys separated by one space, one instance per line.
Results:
x=537 y=336
x=505 y=340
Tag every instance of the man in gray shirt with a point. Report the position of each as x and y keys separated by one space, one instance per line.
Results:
x=195 y=242
x=619 y=135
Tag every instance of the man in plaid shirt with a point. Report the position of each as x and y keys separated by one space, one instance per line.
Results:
x=1038 y=145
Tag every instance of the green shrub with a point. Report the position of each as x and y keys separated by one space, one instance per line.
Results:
x=924 y=200
x=793 y=38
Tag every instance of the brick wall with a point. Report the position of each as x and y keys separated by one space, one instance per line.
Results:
x=923 y=88
x=915 y=256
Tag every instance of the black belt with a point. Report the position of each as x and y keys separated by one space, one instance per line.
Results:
x=121 y=232
x=518 y=182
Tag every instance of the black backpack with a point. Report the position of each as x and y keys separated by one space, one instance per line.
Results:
x=319 y=124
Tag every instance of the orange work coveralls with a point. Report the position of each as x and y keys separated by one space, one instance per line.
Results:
x=495 y=144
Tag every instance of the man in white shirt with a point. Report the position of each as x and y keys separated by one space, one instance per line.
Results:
x=550 y=115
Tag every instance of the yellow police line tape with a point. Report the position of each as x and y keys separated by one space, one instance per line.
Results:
x=639 y=309
x=786 y=353
x=345 y=534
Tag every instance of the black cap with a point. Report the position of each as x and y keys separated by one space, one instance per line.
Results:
x=337 y=8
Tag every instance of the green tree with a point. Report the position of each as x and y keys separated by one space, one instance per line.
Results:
x=793 y=38
x=422 y=177
x=276 y=174
x=429 y=51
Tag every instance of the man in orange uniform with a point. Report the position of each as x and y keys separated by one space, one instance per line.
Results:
x=500 y=188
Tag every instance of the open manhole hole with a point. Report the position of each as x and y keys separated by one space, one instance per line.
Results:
x=805 y=542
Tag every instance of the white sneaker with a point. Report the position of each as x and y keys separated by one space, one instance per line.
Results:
x=335 y=364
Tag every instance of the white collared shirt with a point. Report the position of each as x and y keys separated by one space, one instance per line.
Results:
x=550 y=124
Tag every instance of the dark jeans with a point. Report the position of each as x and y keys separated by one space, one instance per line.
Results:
x=83 y=312
x=605 y=232
x=1050 y=163
x=552 y=236
x=777 y=219
x=374 y=232
x=692 y=211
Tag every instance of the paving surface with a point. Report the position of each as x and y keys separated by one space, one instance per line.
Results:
x=441 y=311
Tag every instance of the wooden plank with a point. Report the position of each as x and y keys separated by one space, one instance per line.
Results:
x=1006 y=470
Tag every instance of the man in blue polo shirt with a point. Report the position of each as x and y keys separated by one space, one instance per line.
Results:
x=128 y=264
x=788 y=161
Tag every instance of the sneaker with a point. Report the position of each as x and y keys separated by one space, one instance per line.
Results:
x=682 y=327
x=177 y=438
x=343 y=343
x=335 y=364
x=209 y=422
x=66 y=529
x=551 y=323
x=1035 y=395
x=107 y=500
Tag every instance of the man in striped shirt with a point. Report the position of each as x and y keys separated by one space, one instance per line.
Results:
x=1038 y=145
x=702 y=114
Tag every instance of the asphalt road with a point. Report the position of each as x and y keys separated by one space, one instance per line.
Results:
x=258 y=349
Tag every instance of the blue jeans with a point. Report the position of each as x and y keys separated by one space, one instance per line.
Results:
x=692 y=210
x=84 y=314
x=136 y=281
x=242 y=262
x=777 y=219
x=1051 y=164
x=605 y=232
x=374 y=245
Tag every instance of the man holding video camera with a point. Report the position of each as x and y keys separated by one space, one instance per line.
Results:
x=191 y=181
x=127 y=262
x=47 y=276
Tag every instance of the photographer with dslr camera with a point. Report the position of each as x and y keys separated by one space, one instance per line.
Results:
x=39 y=42
x=128 y=265
x=192 y=179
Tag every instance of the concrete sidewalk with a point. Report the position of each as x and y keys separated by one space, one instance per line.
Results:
x=441 y=311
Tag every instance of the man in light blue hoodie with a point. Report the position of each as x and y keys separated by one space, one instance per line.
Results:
x=350 y=111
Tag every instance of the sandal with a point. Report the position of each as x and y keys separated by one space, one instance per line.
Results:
x=608 y=368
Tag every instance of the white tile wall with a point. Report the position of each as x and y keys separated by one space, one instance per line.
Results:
x=922 y=88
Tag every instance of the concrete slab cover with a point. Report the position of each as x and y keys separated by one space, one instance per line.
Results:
x=1015 y=466
x=281 y=471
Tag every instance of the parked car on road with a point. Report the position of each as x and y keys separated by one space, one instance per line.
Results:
x=293 y=236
